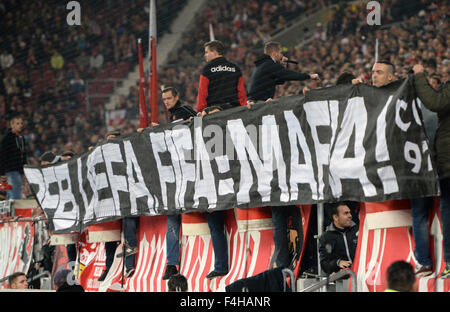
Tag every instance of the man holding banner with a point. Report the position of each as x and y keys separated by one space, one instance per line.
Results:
x=438 y=102
x=221 y=84
x=177 y=111
x=383 y=73
x=370 y=150
x=269 y=72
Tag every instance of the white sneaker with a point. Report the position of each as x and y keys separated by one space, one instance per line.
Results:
x=423 y=270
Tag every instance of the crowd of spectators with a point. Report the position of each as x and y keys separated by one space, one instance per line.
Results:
x=241 y=26
x=45 y=63
x=421 y=36
x=410 y=32
x=45 y=66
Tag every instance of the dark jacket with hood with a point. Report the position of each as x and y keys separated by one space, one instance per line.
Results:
x=438 y=102
x=336 y=245
x=13 y=154
x=181 y=112
x=267 y=75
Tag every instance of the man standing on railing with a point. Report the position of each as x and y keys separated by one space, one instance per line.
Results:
x=268 y=73
x=221 y=87
x=178 y=112
x=438 y=102
x=221 y=82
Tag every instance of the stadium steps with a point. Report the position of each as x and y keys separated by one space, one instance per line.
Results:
x=166 y=43
x=302 y=29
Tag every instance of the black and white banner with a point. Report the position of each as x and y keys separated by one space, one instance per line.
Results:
x=347 y=142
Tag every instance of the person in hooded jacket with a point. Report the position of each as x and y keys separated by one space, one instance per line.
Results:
x=270 y=72
x=13 y=157
x=338 y=244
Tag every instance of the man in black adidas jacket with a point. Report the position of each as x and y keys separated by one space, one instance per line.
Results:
x=270 y=72
x=221 y=81
x=338 y=244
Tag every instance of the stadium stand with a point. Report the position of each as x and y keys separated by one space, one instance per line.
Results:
x=46 y=66
x=57 y=77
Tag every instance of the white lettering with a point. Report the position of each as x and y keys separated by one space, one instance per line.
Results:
x=74 y=17
x=67 y=213
x=374 y=16
x=415 y=159
x=318 y=114
x=223 y=68
x=300 y=173
x=118 y=182
x=181 y=137
x=137 y=187
x=204 y=183
x=341 y=167
x=243 y=145
x=398 y=120
x=166 y=173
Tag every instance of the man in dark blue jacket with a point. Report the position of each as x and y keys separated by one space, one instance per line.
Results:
x=338 y=244
x=13 y=156
x=270 y=72
x=178 y=112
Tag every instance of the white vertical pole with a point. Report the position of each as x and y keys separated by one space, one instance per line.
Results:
x=319 y=233
x=376 y=50
x=211 y=32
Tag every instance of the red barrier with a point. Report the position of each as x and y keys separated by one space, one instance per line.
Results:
x=385 y=236
x=16 y=246
x=250 y=252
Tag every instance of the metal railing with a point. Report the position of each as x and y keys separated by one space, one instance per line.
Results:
x=289 y=272
x=333 y=278
x=43 y=274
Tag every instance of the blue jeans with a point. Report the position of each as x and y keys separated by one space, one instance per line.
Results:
x=217 y=228
x=419 y=211
x=280 y=215
x=14 y=179
x=445 y=217
x=173 y=239
x=420 y=208
x=130 y=234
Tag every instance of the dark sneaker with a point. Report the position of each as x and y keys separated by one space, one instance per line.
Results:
x=103 y=276
x=446 y=273
x=128 y=252
x=215 y=274
x=170 y=270
x=423 y=270
x=129 y=273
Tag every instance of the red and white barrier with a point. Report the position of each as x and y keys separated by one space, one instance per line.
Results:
x=16 y=245
x=250 y=248
x=385 y=236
